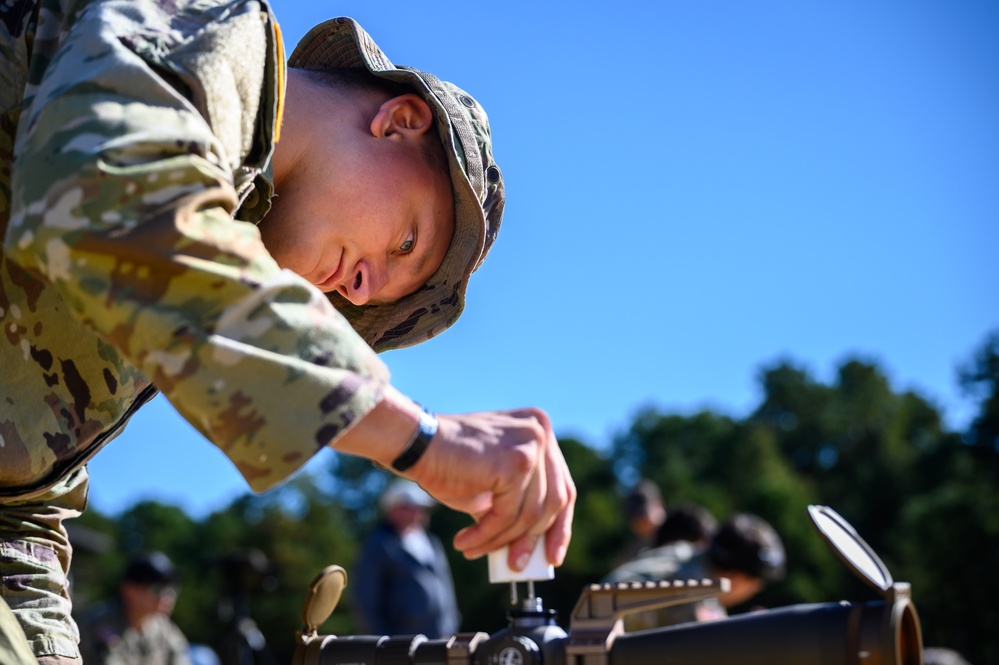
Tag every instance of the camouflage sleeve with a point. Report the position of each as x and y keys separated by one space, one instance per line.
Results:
x=122 y=200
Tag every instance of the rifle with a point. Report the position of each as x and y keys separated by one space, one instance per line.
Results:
x=883 y=632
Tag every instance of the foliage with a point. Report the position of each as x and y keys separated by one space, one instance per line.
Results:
x=926 y=499
x=980 y=378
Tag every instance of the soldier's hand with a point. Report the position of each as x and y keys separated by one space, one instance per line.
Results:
x=506 y=470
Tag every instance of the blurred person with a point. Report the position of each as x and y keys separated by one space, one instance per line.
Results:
x=745 y=549
x=687 y=522
x=644 y=511
x=401 y=583
x=135 y=628
x=687 y=529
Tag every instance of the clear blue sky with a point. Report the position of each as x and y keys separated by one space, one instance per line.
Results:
x=695 y=190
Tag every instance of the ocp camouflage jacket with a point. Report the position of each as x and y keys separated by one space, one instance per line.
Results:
x=135 y=141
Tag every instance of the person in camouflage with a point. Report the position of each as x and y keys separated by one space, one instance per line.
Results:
x=143 y=145
x=135 y=628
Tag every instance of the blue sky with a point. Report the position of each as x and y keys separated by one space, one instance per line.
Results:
x=695 y=190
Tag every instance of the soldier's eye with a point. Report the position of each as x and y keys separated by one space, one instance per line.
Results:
x=407 y=246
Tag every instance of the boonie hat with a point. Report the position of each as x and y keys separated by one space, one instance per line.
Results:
x=475 y=179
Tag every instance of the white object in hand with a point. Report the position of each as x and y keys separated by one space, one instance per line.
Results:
x=537 y=567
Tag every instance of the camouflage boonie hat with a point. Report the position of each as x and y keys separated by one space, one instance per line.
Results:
x=475 y=178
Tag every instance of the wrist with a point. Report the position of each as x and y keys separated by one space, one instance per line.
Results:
x=383 y=433
x=426 y=430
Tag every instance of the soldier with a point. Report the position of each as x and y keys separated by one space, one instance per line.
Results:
x=135 y=628
x=182 y=213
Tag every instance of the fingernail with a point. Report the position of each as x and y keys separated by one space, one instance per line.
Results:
x=560 y=555
x=522 y=560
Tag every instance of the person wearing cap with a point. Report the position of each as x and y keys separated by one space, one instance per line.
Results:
x=746 y=549
x=185 y=211
x=135 y=628
x=401 y=582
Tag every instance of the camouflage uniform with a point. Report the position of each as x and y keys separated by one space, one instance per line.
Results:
x=109 y=640
x=14 y=649
x=135 y=146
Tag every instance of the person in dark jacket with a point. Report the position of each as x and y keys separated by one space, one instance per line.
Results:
x=401 y=583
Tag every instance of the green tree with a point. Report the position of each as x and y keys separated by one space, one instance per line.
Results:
x=949 y=531
x=980 y=379
x=680 y=453
x=948 y=540
x=856 y=442
x=300 y=530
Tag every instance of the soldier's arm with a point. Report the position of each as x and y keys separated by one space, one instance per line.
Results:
x=123 y=201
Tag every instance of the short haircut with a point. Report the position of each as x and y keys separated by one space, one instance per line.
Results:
x=689 y=522
x=748 y=544
x=356 y=79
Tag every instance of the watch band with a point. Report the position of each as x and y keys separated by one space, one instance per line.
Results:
x=424 y=434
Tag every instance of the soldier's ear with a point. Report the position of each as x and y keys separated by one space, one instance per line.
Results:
x=405 y=117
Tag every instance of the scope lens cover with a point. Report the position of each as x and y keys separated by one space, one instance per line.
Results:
x=323 y=596
x=851 y=548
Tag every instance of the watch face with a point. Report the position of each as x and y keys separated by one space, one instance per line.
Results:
x=510 y=656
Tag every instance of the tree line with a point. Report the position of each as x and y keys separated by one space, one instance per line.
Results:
x=925 y=498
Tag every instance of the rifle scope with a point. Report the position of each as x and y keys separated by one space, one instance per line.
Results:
x=815 y=634
x=884 y=632
x=823 y=634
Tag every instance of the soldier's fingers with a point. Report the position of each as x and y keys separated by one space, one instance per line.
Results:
x=514 y=514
